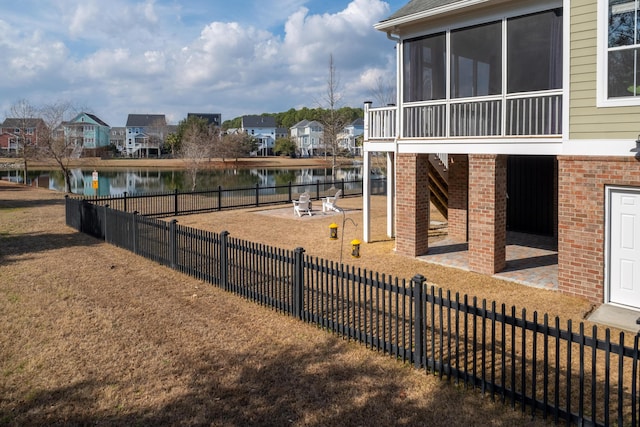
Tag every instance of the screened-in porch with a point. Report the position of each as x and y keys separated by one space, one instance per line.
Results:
x=500 y=79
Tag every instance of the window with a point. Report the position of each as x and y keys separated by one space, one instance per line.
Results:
x=623 y=43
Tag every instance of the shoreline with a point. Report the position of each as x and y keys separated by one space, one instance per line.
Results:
x=242 y=163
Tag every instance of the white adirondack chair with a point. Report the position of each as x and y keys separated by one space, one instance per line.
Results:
x=302 y=205
x=331 y=203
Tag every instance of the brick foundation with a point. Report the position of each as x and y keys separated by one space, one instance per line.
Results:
x=412 y=208
x=581 y=219
x=487 y=213
x=458 y=197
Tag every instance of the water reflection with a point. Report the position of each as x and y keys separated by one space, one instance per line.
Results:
x=143 y=180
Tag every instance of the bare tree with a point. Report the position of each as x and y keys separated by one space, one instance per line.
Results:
x=54 y=143
x=383 y=90
x=158 y=131
x=195 y=149
x=25 y=123
x=332 y=121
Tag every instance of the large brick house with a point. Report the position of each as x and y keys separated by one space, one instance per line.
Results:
x=534 y=108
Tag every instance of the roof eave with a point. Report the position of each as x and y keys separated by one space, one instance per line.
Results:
x=391 y=25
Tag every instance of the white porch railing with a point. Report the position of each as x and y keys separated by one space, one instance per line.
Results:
x=381 y=123
x=536 y=114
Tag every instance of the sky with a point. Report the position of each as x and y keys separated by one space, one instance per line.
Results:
x=234 y=57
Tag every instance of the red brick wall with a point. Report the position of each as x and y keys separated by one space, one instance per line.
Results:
x=581 y=216
x=458 y=196
x=487 y=213
x=412 y=204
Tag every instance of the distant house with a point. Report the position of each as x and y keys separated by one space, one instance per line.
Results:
x=308 y=136
x=117 y=138
x=87 y=133
x=347 y=139
x=263 y=129
x=214 y=119
x=282 y=133
x=146 y=134
x=15 y=131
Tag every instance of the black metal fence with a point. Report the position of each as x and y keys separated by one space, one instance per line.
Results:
x=532 y=364
x=176 y=203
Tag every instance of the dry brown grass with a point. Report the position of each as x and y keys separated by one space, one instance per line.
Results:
x=91 y=334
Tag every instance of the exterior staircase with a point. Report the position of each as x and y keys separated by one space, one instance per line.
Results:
x=439 y=183
x=77 y=151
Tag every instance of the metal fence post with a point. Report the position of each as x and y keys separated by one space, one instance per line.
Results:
x=175 y=202
x=257 y=194
x=134 y=231
x=290 y=196
x=224 y=260
x=342 y=186
x=173 y=243
x=219 y=197
x=83 y=208
x=106 y=208
x=418 y=309
x=298 y=283
x=125 y=201
x=317 y=189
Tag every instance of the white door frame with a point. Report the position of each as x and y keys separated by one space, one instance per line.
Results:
x=609 y=190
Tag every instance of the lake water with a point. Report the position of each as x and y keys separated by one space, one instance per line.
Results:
x=150 y=180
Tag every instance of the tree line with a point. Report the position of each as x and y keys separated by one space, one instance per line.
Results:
x=287 y=119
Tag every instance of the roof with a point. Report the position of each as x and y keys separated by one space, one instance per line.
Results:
x=258 y=122
x=97 y=119
x=93 y=117
x=357 y=122
x=142 y=120
x=418 y=9
x=211 y=118
x=18 y=123
x=300 y=124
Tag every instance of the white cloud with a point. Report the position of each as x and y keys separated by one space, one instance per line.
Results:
x=122 y=57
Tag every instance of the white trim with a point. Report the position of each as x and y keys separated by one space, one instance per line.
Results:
x=392 y=23
x=607 y=243
x=493 y=147
x=566 y=66
x=528 y=146
x=608 y=191
x=600 y=147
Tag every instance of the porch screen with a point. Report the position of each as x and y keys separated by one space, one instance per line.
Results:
x=534 y=52
x=424 y=68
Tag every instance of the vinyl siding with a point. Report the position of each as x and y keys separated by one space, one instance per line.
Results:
x=586 y=120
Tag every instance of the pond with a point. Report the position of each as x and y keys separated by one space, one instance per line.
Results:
x=150 y=180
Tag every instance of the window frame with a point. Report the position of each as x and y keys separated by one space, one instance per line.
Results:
x=602 y=63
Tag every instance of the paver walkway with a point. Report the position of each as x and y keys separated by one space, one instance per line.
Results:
x=531 y=260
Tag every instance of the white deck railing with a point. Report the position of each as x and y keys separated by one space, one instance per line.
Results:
x=536 y=114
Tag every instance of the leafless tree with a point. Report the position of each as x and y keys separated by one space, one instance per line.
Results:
x=332 y=121
x=195 y=149
x=158 y=131
x=25 y=122
x=383 y=91
x=54 y=143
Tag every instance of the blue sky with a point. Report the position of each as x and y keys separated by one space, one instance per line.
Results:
x=173 y=57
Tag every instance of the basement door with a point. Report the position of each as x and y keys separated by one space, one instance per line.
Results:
x=624 y=246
